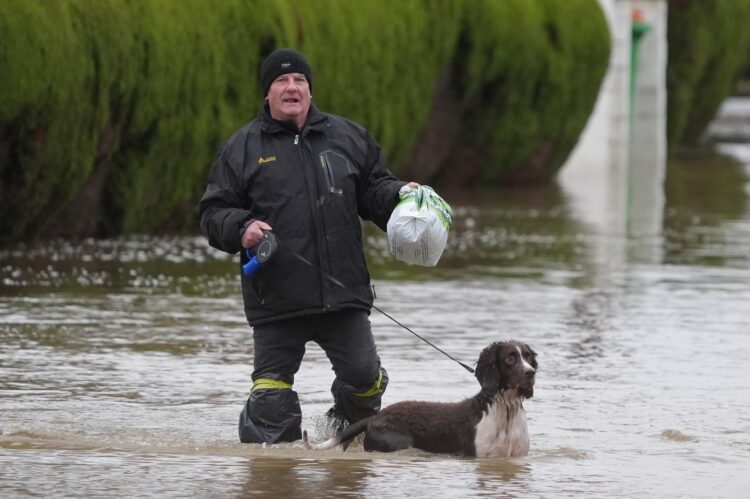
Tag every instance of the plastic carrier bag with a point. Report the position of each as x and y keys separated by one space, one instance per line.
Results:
x=419 y=225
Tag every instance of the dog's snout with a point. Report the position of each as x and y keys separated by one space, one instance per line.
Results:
x=530 y=373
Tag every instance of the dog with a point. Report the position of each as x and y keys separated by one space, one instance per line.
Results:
x=492 y=423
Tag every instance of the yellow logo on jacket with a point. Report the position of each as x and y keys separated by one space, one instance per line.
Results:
x=268 y=159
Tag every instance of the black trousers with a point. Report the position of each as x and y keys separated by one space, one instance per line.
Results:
x=272 y=412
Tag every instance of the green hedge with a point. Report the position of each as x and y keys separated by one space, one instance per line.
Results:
x=529 y=83
x=112 y=111
x=709 y=43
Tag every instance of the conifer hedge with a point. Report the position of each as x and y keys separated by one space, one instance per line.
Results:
x=709 y=43
x=112 y=111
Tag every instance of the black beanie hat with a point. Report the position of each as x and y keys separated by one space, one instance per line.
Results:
x=283 y=61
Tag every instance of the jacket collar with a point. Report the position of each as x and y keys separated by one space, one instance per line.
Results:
x=316 y=120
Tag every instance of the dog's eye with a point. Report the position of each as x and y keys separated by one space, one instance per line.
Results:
x=510 y=359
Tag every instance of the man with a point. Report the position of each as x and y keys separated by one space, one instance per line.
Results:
x=307 y=176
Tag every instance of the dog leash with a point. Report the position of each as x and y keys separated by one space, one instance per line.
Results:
x=339 y=284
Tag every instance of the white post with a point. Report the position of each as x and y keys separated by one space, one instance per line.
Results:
x=616 y=172
x=648 y=134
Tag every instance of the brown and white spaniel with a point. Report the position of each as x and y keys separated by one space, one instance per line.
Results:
x=492 y=423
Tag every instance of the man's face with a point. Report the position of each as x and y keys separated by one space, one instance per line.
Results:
x=289 y=98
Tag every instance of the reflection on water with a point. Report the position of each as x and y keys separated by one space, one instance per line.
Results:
x=124 y=363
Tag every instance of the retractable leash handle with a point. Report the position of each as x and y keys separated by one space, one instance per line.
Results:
x=261 y=253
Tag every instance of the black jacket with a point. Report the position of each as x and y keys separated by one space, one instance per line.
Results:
x=311 y=187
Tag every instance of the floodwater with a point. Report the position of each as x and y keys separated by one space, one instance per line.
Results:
x=124 y=363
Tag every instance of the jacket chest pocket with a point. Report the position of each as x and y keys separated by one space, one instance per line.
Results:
x=276 y=183
x=337 y=172
x=277 y=194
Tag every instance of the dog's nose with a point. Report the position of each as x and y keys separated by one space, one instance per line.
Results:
x=530 y=373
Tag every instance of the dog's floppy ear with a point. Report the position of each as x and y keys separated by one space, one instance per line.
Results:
x=487 y=371
x=532 y=356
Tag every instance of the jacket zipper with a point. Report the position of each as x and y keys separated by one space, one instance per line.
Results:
x=325 y=304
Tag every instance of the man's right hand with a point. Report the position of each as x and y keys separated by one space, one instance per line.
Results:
x=254 y=233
